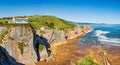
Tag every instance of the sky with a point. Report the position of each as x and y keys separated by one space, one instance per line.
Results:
x=91 y=11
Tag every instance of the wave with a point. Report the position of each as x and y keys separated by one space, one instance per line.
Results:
x=104 y=40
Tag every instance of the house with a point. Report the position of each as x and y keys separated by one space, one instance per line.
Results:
x=19 y=20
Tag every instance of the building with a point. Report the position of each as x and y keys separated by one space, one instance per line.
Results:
x=19 y=20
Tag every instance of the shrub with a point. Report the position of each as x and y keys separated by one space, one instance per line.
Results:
x=2 y=35
x=11 y=38
x=3 y=21
x=82 y=27
x=41 y=47
x=21 y=46
x=87 y=60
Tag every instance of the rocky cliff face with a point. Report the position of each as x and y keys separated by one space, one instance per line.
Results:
x=17 y=41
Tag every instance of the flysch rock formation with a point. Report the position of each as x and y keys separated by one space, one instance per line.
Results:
x=17 y=42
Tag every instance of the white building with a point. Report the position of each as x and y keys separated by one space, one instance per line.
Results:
x=19 y=20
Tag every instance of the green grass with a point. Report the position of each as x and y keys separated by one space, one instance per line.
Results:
x=2 y=35
x=41 y=47
x=11 y=38
x=41 y=33
x=81 y=26
x=87 y=60
x=21 y=46
x=3 y=21
x=49 y=22
x=15 y=24
x=38 y=21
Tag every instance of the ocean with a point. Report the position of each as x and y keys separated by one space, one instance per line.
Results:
x=103 y=34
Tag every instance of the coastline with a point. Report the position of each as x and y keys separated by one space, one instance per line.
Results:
x=64 y=49
x=72 y=37
x=69 y=53
x=26 y=54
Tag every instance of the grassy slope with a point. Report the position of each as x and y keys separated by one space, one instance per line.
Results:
x=38 y=21
x=49 y=22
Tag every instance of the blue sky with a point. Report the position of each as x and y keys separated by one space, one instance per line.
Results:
x=95 y=11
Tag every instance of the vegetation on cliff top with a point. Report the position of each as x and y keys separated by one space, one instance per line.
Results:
x=38 y=21
x=46 y=21
x=4 y=20
x=87 y=60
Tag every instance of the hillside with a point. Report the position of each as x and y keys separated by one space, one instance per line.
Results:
x=49 y=22
x=38 y=21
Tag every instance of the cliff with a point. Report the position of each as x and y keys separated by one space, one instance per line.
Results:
x=17 y=41
x=25 y=43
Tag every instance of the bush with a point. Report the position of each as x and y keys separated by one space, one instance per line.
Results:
x=11 y=38
x=41 y=47
x=87 y=60
x=21 y=46
x=82 y=27
x=2 y=35
x=3 y=21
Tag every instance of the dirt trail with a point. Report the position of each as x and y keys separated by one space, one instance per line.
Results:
x=65 y=54
x=106 y=61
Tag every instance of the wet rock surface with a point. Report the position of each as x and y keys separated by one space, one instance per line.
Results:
x=103 y=54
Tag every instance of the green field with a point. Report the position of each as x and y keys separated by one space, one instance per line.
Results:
x=46 y=21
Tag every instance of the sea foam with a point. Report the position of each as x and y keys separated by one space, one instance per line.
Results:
x=105 y=40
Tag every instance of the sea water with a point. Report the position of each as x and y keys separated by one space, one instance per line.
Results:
x=103 y=34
